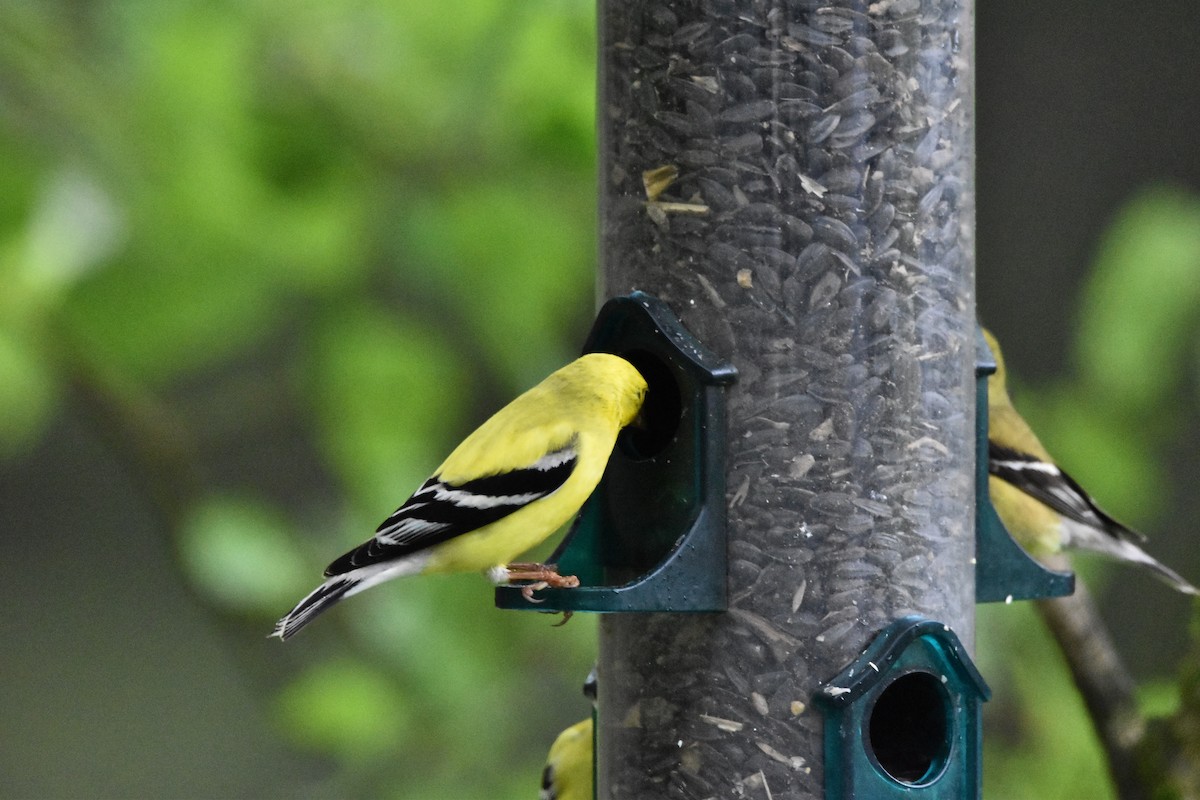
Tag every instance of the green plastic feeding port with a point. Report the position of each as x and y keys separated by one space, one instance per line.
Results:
x=652 y=535
x=903 y=721
x=1003 y=570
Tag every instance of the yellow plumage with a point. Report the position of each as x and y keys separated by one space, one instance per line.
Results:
x=507 y=487
x=569 y=772
x=1034 y=525
x=588 y=401
x=1045 y=509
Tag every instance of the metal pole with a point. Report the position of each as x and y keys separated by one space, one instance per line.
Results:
x=808 y=211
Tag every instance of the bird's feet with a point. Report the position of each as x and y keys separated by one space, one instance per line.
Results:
x=543 y=576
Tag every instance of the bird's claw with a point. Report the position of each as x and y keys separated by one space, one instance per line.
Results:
x=544 y=576
x=528 y=590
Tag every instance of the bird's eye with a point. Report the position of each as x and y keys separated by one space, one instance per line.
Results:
x=661 y=410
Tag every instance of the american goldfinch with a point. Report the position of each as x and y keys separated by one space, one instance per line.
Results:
x=511 y=484
x=569 y=772
x=1042 y=506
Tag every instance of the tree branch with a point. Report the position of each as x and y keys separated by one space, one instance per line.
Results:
x=1103 y=681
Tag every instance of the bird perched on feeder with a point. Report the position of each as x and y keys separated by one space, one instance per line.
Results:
x=569 y=772
x=1041 y=505
x=506 y=488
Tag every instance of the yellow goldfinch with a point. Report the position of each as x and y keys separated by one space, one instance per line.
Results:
x=1042 y=506
x=511 y=484
x=569 y=772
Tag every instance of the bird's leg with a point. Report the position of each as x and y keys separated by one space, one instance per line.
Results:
x=526 y=571
x=542 y=575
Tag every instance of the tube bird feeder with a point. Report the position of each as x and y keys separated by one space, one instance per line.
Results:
x=795 y=181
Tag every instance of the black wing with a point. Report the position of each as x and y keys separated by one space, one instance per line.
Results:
x=1048 y=484
x=439 y=511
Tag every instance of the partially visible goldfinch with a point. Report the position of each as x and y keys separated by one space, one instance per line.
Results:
x=1041 y=505
x=569 y=772
x=512 y=483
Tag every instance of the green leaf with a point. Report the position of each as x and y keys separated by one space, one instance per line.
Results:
x=75 y=227
x=28 y=393
x=546 y=92
x=243 y=554
x=344 y=707
x=518 y=259
x=388 y=397
x=1158 y=698
x=1138 y=314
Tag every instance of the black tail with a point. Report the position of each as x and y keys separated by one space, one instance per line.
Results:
x=317 y=601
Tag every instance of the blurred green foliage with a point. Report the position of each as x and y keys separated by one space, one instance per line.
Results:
x=1119 y=422
x=384 y=213
x=1038 y=741
x=387 y=212
x=242 y=554
x=1135 y=355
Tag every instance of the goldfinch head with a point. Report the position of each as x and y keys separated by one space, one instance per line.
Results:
x=615 y=381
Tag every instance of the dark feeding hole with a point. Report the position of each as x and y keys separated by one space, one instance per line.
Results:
x=661 y=410
x=908 y=728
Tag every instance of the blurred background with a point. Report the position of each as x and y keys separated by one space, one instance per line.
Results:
x=262 y=264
